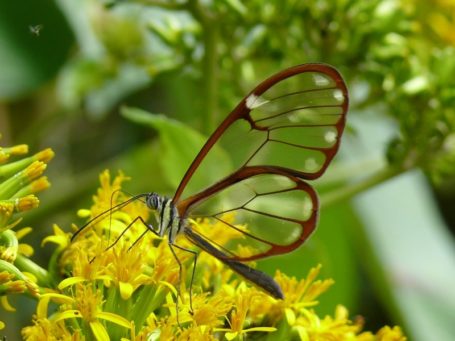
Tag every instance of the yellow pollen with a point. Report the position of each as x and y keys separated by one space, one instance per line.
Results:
x=26 y=203
x=45 y=155
x=40 y=185
x=35 y=170
x=20 y=149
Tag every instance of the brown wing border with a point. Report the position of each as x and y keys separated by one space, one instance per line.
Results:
x=242 y=112
x=308 y=226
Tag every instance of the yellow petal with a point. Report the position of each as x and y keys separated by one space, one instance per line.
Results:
x=59 y=298
x=260 y=329
x=41 y=308
x=126 y=290
x=2 y=325
x=341 y=312
x=70 y=281
x=99 y=331
x=171 y=304
x=58 y=231
x=114 y=318
x=170 y=286
x=30 y=276
x=303 y=334
x=59 y=240
x=230 y=336
x=6 y=305
x=23 y=232
x=290 y=316
x=83 y=213
x=26 y=250
x=67 y=314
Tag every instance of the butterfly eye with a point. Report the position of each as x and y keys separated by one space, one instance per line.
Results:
x=153 y=201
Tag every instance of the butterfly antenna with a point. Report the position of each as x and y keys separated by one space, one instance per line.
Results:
x=110 y=210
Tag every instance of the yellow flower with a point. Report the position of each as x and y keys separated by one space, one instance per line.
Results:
x=19 y=180
x=299 y=295
x=208 y=309
x=310 y=327
x=390 y=334
x=240 y=318
x=86 y=305
x=127 y=269
x=60 y=237
x=124 y=283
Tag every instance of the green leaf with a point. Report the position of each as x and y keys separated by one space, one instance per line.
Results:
x=407 y=251
x=179 y=146
x=237 y=6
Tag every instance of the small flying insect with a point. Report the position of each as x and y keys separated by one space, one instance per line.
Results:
x=284 y=133
x=35 y=29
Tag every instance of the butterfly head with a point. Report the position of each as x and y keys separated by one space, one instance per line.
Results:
x=165 y=213
x=154 y=201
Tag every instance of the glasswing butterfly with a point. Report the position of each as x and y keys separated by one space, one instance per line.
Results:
x=284 y=132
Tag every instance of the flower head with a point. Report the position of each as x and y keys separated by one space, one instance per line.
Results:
x=20 y=179
x=121 y=282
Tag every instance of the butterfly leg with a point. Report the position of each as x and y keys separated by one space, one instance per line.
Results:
x=121 y=205
x=138 y=218
x=149 y=228
x=124 y=231
x=138 y=239
x=180 y=272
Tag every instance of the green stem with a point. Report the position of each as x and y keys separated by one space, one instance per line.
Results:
x=349 y=190
x=150 y=298
x=25 y=264
x=210 y=31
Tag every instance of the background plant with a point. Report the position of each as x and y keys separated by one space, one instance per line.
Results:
x=194 y=60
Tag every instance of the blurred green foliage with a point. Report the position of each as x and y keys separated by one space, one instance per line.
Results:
x=194 y=60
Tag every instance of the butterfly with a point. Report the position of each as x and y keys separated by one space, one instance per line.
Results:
x=284 y=133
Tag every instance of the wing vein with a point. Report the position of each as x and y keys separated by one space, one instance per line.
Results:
x=303 y=108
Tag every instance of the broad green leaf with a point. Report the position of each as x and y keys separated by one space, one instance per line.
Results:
x=179 y=146
x=413 y=270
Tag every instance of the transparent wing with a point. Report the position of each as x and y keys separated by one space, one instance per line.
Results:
x=286 y=130
x=259 y=215
x=292 y=121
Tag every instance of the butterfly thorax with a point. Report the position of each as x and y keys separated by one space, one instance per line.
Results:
x=166 y=215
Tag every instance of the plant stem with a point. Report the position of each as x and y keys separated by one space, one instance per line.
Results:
x=211 y=77
x=210 y=31
x=349 y=190
x=25 y=264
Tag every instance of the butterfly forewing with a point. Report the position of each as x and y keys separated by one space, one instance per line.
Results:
x=286 y=130
x=292 y=120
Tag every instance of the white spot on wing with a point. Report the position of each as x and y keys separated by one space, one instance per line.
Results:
x=253 y=101
x=338 y=95
x=320 y=80
x=307 y=208
x=311 y=165
x=330 y=136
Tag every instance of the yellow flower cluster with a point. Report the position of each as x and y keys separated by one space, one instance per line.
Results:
x=20 y=178
x=118 y=282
